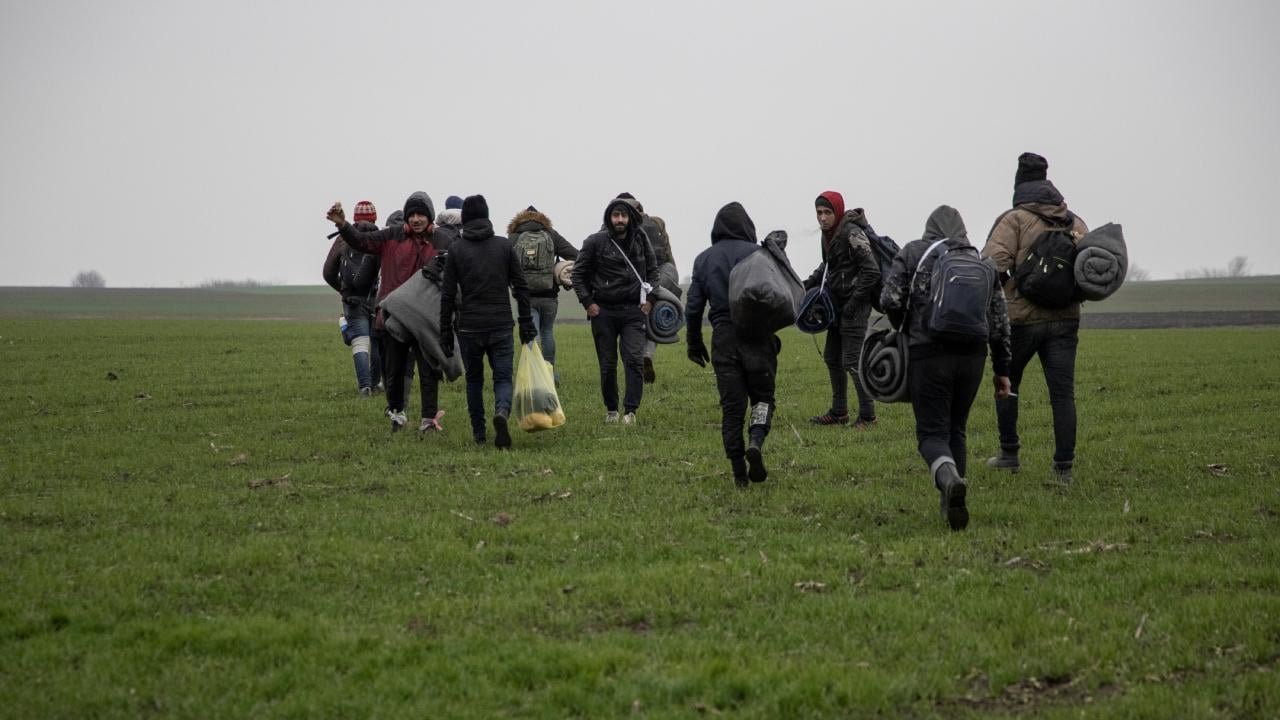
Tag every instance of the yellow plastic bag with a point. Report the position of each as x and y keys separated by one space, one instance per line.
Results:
x=535 y=403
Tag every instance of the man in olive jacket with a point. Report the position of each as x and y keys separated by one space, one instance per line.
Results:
x=851 y=276
x=1052 y=334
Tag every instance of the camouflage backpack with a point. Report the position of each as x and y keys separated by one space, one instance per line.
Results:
x=537 y=252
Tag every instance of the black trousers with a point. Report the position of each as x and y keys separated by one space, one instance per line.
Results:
x=943 y=387
x=746 y=372
x=1055 y=343
x=399 y=358
x=841 y=353
x=620 y=329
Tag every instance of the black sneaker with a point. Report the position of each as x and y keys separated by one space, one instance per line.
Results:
x=756 y=471
x=830 y=418
x=501 y=438
x=741 y=482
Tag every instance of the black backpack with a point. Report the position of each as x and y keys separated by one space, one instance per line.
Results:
x=358 y=271
x=960 y=288
x=883 y=249
x=1047 y=276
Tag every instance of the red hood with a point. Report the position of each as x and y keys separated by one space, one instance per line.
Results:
x=837 y=204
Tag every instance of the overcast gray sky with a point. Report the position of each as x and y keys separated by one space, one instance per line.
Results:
x=167 y=143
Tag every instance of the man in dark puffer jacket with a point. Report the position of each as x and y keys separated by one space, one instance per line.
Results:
x=852 y=275
x=481 y=273
x=610 y=279
x=745 y=368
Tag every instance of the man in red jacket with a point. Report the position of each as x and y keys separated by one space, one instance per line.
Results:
x=404 y=250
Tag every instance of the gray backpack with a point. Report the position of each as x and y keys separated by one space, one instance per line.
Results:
x=960 y=288
x=537 y=252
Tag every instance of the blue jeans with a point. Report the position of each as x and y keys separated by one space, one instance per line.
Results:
x=368 y=364
x=499 y=346
x=1055 y=343
x=544 y=318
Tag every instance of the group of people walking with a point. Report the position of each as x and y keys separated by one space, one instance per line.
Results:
x=615 y=276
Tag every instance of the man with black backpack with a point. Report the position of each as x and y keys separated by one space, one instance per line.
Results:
x=538 y=244
x=851 y=275
x=1033 y=246
x=354 y=275
x=614 y=277
x=950 y=301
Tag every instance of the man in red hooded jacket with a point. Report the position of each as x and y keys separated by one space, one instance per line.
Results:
x=851 y=275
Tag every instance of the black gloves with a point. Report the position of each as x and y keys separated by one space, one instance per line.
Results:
x=528 y=333
x=697 y=350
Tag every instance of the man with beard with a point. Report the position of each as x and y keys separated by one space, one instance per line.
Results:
x=404 y=250
x=851 y=276
x=614 y=276
x=655 y=229
x=745 y=367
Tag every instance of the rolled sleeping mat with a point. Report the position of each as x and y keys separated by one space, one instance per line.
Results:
x=882 y=368
x=563 y=273
x=665 y=318
x=816 y=311
x=1102 y=261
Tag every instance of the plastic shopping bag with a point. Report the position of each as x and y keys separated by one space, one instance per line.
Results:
x=535 y=404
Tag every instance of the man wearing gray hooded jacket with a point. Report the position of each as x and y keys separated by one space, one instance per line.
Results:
x=944 y=375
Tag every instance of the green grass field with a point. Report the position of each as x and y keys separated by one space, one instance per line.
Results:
x=201 y=519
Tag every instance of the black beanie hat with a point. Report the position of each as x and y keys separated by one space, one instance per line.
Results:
x=415 y=204
x=474 y=208
x=824 y=202
x=1031 y=167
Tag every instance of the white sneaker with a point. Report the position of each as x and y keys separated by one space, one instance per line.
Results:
x=611 y=416
x=629 y=419
x=397 y=421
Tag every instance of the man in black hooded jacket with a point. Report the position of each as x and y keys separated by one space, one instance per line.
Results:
x=481 y=273
x=614 y=277
x=746 y=368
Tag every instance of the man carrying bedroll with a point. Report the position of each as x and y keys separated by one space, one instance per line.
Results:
x=1051 y=333
x=614 y=277
x=852 y=276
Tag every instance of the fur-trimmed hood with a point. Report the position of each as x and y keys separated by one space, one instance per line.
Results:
x=525 y=216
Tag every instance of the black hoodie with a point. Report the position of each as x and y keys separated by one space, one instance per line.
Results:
x=478 y=271
x=733 y=239
x=602 y=275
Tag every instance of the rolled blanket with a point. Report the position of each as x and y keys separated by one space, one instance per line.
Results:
x=1102 y=261
x=666 y=317
x=816 y=311
x=883 y=365
x=563 y=273
x=413 y=316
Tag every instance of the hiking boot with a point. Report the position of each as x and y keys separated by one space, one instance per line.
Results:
x=501 y=438
x=863 y=423
x=649 y=375
x=611 y=416
x=830 y=418
x=740 y=479
x=1006 y=460
x=756 y=471
x=1062 y=472
x=398 y=420
x=951 y=490
x=479 y=438
x=629 y=418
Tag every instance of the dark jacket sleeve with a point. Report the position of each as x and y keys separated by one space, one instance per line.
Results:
x=896 y=293
x=998 y=334
x=519 y=286
x=868 y=277
x=332 y=263
x=564 y=249
x=695 y=303
x=651 y=274
x=368 y=242
x=584 y=269
x=448 y=294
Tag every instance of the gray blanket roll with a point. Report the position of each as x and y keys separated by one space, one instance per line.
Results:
x=1102 y=260
x=665 y=318
x=882 y=368
x=413 y=316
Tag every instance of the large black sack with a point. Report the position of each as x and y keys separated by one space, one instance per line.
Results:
x=764 y=291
